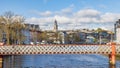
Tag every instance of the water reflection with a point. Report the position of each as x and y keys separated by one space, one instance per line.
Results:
x=112 y=66
x=67 y=61
x=61 y=61
x=71 y=67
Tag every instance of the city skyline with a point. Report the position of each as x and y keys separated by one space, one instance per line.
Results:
x=69 y=14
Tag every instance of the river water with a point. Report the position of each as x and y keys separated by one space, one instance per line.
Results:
x=60 y=61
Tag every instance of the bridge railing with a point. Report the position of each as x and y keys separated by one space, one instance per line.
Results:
x=117 y=49
x=56 y=49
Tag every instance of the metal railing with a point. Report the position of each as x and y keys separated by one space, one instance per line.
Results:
x=56 y=49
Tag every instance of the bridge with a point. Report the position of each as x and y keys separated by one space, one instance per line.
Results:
x=111 y=49
x=57 y=49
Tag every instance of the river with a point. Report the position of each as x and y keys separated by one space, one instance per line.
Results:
x=59 y=61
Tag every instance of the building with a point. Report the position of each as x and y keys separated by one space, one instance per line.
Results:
x=90 y=39
x=55 y=29
x=31 y=33
x=117 y=31
x=63 y=37
x=52 y=35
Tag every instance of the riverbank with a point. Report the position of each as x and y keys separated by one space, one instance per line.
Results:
x=118 y=57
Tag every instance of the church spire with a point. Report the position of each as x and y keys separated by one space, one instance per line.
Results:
x=55 y=26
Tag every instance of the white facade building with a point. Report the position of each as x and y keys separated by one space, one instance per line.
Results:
x=118 y=35
x=117 y=31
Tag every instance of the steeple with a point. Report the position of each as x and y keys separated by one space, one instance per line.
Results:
x=55 y=26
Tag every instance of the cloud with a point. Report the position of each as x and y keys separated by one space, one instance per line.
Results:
x=40 y=21
x=46 y=13
x=43 y=14
x=65 y=11
x=87 y=13
x=110 y=17
x=62 y=19
x=68 y=9
x=84 y=18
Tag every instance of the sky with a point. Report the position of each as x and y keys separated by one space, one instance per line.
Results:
x=70 y=14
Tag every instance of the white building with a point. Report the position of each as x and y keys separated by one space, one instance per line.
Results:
x=118 y=35
x=63 y=36
x=117 y=32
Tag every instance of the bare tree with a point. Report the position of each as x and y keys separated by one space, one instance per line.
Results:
x=12 y=25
